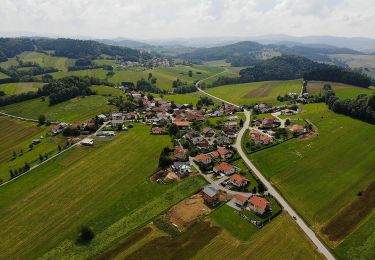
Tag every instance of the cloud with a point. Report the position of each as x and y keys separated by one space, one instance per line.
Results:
x=145 y=19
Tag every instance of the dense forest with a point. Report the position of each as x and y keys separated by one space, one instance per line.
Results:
x=10 y=47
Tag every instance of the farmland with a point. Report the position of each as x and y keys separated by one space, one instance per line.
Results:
x=343 y=91
x=106 y=187
x=20 y=87
x=366 y=62
x=107 y=91
x=96 y=73
x=76 y=109
x=306 y=174
x=3 y=76
x=251 y=93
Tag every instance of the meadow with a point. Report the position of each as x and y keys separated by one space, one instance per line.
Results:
x=20 y=87
x=344 y=91
x=257 y=92
x=306 y=171
x=359 y=61
x=74 y=110
x=3 y=76
x=106 y=187
x=107 y=91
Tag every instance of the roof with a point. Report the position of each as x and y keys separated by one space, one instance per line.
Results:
x=225 y=167
x=240 y=198
x=295 y=128
x=179 y=150
x=222 y=150
x=182 y=123
x=202 y=157
x=210 y=190
x=258 y=201
x=238 y=179
x=215 y=154
x=157 y=129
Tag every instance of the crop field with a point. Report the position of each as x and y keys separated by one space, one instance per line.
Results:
x=344 y=91
x=107 y=91
x=305 y=172
x=257 y=92
x=20 y=87
x=360 y=244
x=106 y=187
x=73 y=110
x=280 y=239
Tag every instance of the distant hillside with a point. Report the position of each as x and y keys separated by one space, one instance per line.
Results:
x=9 y=47
x=125 y=43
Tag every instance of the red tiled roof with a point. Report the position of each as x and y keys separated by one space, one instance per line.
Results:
x=215 y=154
x=55 y=127
x=182 y=123
x=222 y=150
x=202 y=157
x=258 y=201
x=179 y=150
x=240 y=198
x=238 y=179
x=225 y=167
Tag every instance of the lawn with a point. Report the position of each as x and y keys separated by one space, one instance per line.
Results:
x=106 y=187
x=20 y=87
x=320 y=176
x=73 y=110
x=344 y=91
x=257 y=92
x=280 y=239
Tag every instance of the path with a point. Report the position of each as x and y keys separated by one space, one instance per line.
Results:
x=306 y=229
x=282 y=121
x=52 y=157
x=23 y=118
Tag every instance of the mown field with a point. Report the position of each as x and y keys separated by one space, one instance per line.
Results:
x=107 y=91
x=320 y=176
x=106 y=187
x=344 y=91
x=280 y=239
x=20 y=87
x=257 y=92
x=74 y=110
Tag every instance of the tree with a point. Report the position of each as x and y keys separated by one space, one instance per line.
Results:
x=59 y=148
x=31 y=146
x=241 y=123
x=42 y=119
x=14 y=155
x=86 y=234
x=190 y=73
x=254 y=190
x=149 y=76
x=41 y=158
x=173 y=129
x=261 y=187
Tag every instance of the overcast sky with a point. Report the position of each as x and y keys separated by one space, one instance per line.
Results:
x=150 y=19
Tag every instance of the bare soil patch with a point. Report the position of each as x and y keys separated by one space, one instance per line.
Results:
x=164 y=176
x=187 y=212
x=346 y=220
x=260 y=92
x=317 y=86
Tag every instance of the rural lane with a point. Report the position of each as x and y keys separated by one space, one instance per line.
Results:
x=288 y=208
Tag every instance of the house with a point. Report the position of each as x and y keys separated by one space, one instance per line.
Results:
x=182 y=124
x=287 y=112
x=238 y=180
x=182 y=169
x=157 y=131
x=260 y=138
x=117 y=119
x=224 y=153
x=224 y=168
x=223 y=140
x=208 y=131
x=87 y=142
x=180 y=154
x=131 y=116
x=36 y=141
x=56 y=129
x=103 y=117
x=215 y=155
x=229 y=130
x=268 y=122
x=203 y=158
x=259 y=205
x=240 y=200
x=203 y=145
x=194 y=137
x=105 y=133
x=233 y=118
x=210 y=195
x=297 y=129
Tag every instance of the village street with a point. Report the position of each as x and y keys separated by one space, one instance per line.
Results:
x=308 y=231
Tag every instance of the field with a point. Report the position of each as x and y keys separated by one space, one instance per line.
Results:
x=359 y=61
x=343 y=91
x=3 y=76
x=20 y=87
x=106 y=187
x=76 y=109
x=96 y=73
x=107 y=91
x=307 y=172
x=257 y=92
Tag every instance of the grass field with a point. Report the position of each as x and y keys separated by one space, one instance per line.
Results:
x=251 y=93
x=106 y=187
x=76 y=109
x=96 y=73
x=307 y=172
x=361 y=243
x=343 y=91
x=107 y=91
x=3 y=76
x=20 y=87
x=359 y=61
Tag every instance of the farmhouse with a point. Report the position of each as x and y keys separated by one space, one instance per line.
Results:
x=180 y=154
x=210 y=195
x=240 y=200
x=157 y=131
x=224 y=168
x=117 y=119
x=259 y=205
x=203 y=158
x=238 y=180
x=260 y=138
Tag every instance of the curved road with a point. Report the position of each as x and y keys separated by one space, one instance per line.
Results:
x=288 y=208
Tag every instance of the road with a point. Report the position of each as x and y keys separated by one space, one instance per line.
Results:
x=23 y=118
x=287 y=207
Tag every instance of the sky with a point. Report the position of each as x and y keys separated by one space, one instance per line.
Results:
x=162 y=19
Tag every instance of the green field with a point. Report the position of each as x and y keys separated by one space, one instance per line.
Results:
x=307 y=172
x=361 y=243
x=106 y=187
x=107 y=91
x=367 y=62
x=96 y=73
x=344 y=91
x=3 y=76
x=257 y=92
x=76 y=109
x=20 y=87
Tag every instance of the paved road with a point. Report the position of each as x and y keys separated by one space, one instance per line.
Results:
x=282 y=121
x=320 y=246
